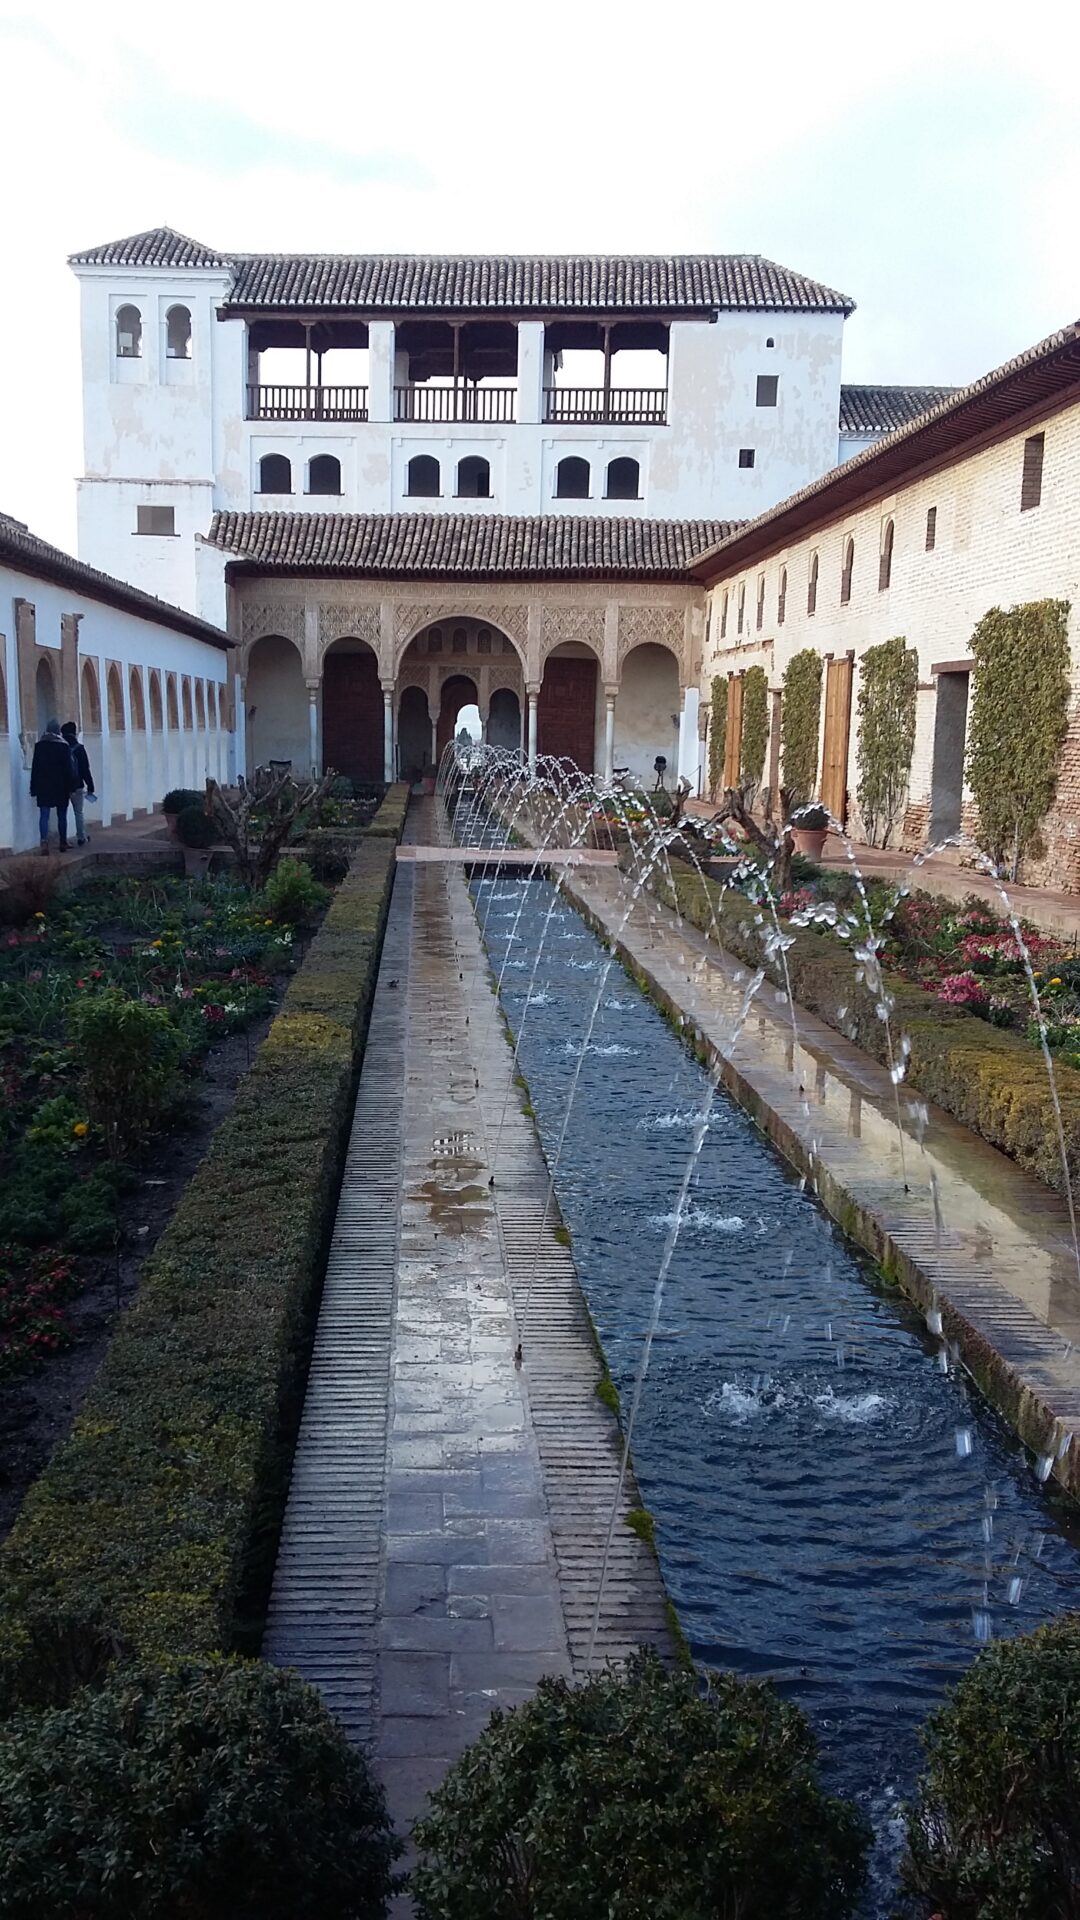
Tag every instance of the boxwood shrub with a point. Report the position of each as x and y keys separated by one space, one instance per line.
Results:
x=157 y=1518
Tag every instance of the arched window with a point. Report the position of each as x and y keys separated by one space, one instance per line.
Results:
x=846 y=572
x=155 y=702
x=723 y=617
x=200 y=706
x=473 y=478
x=275 y=473
x=115 y=695
x=781 y=598
x=741 y=621
x=572 y=479
x=173 y=710
x=128 y=333
x=3 y=702
x=811 y=586
x=422 y=480
x=212 y=714
x=324 y=474
x=178 y=333
x=884 y=571
x=623 y=480
x=91 y=699
x=45 y=694
x=188 y=721
x=136 y=702
x=759 y=620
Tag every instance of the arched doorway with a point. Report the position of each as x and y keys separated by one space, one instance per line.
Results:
x=45 y=694
x=566 y=710
x=504 y=719
x=353 y=712
x=414 y=734
x=647 y=713
x=457 y=692
x=277 y=727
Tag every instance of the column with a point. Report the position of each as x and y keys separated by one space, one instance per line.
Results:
x=388 y=732
x=239 y=731
x=483 y=712
x=534 y=695
x=609 y=735
x=380 y=370
x=688 y=736
x=313 y=725
x=433 y=716
x=530 y=371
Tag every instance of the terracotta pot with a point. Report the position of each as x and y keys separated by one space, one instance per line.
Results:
x=809 y=841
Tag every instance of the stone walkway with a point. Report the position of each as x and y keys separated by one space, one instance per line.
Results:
x=1001 y=1263
x=449 y=1507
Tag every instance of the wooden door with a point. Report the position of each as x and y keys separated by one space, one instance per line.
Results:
x=566 y=711
x=733 y=735
x=834 y=756
x=353 y=715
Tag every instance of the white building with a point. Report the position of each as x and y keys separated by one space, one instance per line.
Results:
x=684 y=388
x=148 y=684
x=971 y=506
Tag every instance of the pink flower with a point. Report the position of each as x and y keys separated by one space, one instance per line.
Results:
x=962 y=990
x=34 y=974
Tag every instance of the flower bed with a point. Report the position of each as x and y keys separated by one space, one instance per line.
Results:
x=154 y=1523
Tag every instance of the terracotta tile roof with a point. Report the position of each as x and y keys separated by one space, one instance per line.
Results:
x=464 y=545
x=157 y=247
x=505 y=283
x=883 y=409
x=1045 y=376
x=24 y=551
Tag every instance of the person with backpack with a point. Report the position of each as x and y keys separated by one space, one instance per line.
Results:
x=83 y=776
x=52 y=780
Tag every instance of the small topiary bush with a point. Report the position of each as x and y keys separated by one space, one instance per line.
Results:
x=224 y=1790
x=194 y=828
x=178 y=798
x=633 y=1794
x=995 y=1831
x=293 y=894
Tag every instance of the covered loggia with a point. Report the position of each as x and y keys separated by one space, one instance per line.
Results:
x=352 y=711
x=276 y=702
x=504 y=719
x=647 y=712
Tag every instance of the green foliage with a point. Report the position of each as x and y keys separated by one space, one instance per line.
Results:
x=179 y=798
x=755 y=726
x=194 y=827
x=631 y=1794
x=158 y=1514
x=127 y=1055
x=717 y=733
x=800 y=716
x=995 y=1831
x=292 y=893
x=223 y=1789
x=888 y=691
x=1018 y=722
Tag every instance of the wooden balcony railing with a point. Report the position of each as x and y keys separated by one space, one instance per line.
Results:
x=442 y=404
x=307 y=403
x=622 y=406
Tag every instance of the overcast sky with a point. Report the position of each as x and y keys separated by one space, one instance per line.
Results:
x=924 y=158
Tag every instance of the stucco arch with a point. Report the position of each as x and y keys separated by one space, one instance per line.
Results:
x=647 y=709
x=276 y=701
x=413 y=622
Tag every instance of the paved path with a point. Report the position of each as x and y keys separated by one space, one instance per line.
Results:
x=448 y=1511
x=1003 y=1260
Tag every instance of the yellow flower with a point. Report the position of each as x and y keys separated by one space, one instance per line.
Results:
x=156 y=943
x=79 y=1129
x=268 y=923
x=39 y=916
x=1036 y=976
x=1055 y=982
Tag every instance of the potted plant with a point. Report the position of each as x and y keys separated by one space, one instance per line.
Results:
x=810 y=827
x=174 y=804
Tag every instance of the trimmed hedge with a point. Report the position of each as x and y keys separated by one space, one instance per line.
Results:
x=991 y=1080
x=153 y=1526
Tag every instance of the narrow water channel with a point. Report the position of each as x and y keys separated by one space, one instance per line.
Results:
x=833 y=1512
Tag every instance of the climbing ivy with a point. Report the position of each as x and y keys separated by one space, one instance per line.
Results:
x=1019 y=719
x=800 y=714
x=888 y=690
x=755 y=727
x=717 y=732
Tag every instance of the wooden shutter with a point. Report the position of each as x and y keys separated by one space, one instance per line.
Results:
x=1031 y=485
x=733 y=736
x=884 y=576
x=834 y=759
x=781 y=598
x=931 y=529
x=848 y=570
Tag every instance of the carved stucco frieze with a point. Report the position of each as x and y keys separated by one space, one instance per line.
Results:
x=658 y=626
x=582 y=624
x=410 y=618
x=338 y=621
x=284 y=617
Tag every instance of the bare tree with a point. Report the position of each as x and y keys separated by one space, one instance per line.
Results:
x=257 y=819
x=775 y=842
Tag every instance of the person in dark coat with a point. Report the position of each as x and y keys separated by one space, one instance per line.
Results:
x=84 y=779
x=52 y=777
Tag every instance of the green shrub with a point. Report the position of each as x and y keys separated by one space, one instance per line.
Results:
x=755 y=727
x=631 y=1795
x=888 y=691
x=717 y=732
x=195 y=828
x=223 y=1790
x=127 y=1055
x=800 y=713
x=159 y=1513
x=995 y=1831
x=1019 y=719
x=178 y=798
x=293 y=894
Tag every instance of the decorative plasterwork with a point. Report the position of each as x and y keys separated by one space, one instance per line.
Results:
x=283 y=617
x=339 y=621
x=582 y=624
x=411 y=619
x=657 y=626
